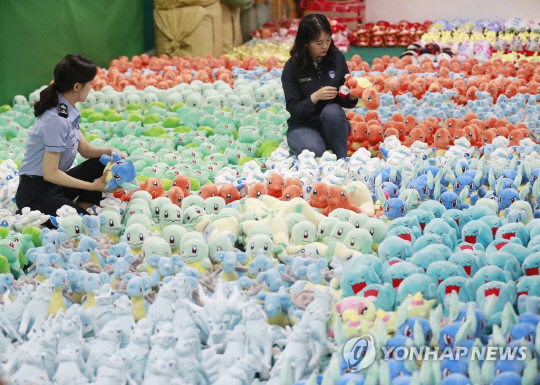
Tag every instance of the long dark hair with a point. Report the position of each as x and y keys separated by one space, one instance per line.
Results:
x=310 y=29
x=71 y=69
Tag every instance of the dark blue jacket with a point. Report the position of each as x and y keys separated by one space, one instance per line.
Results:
x=300 y=83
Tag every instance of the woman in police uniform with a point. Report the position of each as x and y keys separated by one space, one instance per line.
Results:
x=47 y=181
x=311 y=79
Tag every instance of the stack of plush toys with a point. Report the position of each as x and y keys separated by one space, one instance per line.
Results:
x=384 y=34
x=225 y=260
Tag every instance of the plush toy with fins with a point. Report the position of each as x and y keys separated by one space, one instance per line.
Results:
x=122 y=172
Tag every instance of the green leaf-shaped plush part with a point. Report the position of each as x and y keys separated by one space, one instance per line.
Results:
x=141 y=178
x=35 y=233
x=286 y=374
x=134 y=107
x=269 y=143
x=4 y=265
x=435 y=322
x=154 y=131
x=91 y=137
x=157 y=104
x=182 y=129
x=134 y=117
x=109 y=111
x=177 y=106
x=114 y=117
x=499 y=186
x=268 y=152
x=3 y=232
x=488 y=367
x=509 y=318
x=530 y=373
x=151 y=119
x=437 y=190
x=22 y=260
x=191 y=145
x=525 y=191
x=244 y=160
x=167 y=183
x=96 y=117
x=464 y=194
x=171 y=122
x=195 y=184
x=235 y=134
x=209 y=130
x=4 y=108
x=378 y=181
x=86 y=112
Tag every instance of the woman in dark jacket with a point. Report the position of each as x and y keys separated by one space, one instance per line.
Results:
x=311 y=79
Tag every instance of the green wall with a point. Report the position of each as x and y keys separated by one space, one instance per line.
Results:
x=37 y=34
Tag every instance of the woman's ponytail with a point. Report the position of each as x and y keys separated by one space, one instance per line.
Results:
x=72 y=69
x=48 y=98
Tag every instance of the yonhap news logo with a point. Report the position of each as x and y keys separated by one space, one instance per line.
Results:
x=359 y=353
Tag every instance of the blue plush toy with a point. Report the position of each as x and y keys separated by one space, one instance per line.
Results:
x=121 y=172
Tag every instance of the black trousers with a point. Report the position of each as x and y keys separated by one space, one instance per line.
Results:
x=38 y=194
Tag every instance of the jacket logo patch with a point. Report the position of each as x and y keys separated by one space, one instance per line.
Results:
x=332 y=74
x=305 y=80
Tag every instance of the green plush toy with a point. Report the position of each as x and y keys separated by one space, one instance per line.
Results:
x=194 y=253
x=173 y=235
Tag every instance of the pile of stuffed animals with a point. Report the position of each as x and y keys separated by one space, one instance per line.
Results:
x=384 y=34
x=225 y=260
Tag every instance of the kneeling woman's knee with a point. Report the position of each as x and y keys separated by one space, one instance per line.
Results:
x=332 y=111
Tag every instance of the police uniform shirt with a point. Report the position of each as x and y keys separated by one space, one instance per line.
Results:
x=56 y=130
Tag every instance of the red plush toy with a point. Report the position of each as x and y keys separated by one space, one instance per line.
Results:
x=364 y=89
x=176 y=195
x=154 y=186
x=338 y=199
x=275 y=185
x=229 y=193
x=209 y=190
x=319 y=195
x=184 y=183
x=291 y=192
x=256 y=190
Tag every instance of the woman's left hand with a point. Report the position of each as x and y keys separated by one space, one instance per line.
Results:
x=112 y=150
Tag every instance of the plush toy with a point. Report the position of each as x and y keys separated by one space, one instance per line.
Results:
x=120 y=172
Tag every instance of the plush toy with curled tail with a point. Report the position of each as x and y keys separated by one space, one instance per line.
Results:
x=121 y=172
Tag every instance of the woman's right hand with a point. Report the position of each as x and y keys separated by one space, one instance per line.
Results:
x=101 y=184
x=325 y=93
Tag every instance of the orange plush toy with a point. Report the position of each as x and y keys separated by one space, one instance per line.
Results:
x=291 y=192
x=229 y=193
x=184 y=183
x=275 y=185
x=364 y=89
x=293 y=181
x=176 y=195
x=154 y=186
x=338 y=199
x=209 y=190
x=256 y=190
x=319 y=195
x=442 y=139
x=375 y=136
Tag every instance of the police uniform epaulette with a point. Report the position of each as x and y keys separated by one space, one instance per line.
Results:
x=62 y=110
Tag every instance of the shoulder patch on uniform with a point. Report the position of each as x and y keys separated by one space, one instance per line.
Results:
x=62 y=110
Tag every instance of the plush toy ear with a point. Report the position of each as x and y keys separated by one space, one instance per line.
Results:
x=127 y=277
x=285 y=300
x=282 y=269
x=104 y=278
x=261 y=277
x=177 y=260
x=220 y=255
x=102 y=219
x=322 y=263
x=192 y=282
x=111 y=260
x=153 y=260
x=86 y=256
x=54 y=258
x=288 y=260
x=242 y=257
x=72 y=275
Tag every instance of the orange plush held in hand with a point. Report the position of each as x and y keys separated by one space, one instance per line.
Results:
x=364 y=89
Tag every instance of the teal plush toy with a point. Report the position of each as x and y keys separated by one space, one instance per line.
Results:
x=194 y=253
x=173 y=234
x=417 y=283
x=120 y=173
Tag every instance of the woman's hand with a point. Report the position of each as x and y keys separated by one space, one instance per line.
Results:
x=101 y=184
x=325 y=93
x=113 y=150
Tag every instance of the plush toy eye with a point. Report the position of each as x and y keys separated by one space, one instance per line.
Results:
x=408 y=331
x=252 y=246
x=141 y=237
x=128 y=237
x=402 y=209
x=458 y=185
x=342 y=194
x=166 y=214
x=266 y=247
x=448 y=339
